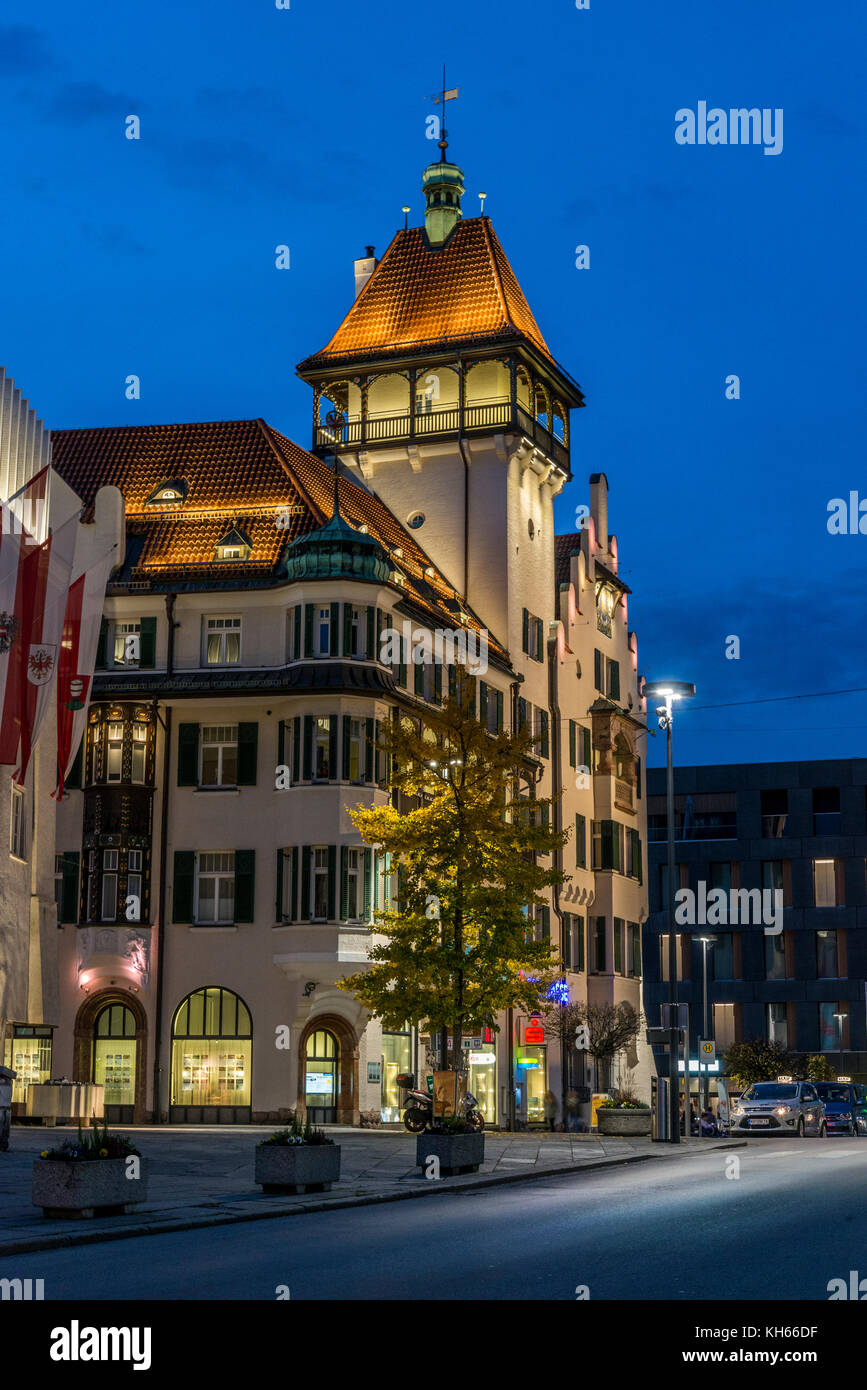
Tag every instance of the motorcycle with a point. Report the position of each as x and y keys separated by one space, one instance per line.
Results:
x=418 y=1115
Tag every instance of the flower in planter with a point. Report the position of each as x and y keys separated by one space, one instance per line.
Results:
x=297 y=1134
x=99 y=1144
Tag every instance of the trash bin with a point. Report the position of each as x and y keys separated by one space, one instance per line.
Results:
x=6 y=1078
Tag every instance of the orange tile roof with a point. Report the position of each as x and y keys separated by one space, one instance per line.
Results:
x=463 y=291
x=238 y=473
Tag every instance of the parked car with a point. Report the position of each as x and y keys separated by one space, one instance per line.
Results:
x=775 y=1107
x=845 y=1106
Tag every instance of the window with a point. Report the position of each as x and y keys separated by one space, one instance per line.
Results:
x=772 y=874
x=134 y=875
x=607 y=848
x=532 y=636
x=17 y=838
x=632 y=867
x=599 y=945
x=127 y=644
x=826 y=811
x=775 y=957
x=322 y=748
x=114 y=753
x=354 y=903
x=356 y=635
x=826 y=955
x=825 y=883
x=833 y=1019
x=109 y=885
x=91 y=884
x=215 y=887
x=721 y=876
x=222 y=641
x=544 y=733
x=778 y=1024
x=721 y=956
x=580 y=842
x=322 y=631
x=219 y=755
x=618 y=945
x=139 y=751
x=775 y=810
x=319 y=885
x=574 y=942
x=612 y=679
x=635 y=956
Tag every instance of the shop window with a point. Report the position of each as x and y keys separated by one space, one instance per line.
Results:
x=28 y=1053
x=320 y=1077
x=211 y=1051
x=396 y=1059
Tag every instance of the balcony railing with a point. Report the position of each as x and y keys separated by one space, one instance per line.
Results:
x=409 y=426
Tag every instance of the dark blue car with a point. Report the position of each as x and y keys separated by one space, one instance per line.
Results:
x=845 y=1106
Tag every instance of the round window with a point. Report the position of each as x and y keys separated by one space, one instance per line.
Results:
x=415 y=520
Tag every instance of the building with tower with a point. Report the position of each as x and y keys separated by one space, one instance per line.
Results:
x=217 y=888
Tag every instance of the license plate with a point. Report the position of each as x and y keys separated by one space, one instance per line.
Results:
x=760 y=1122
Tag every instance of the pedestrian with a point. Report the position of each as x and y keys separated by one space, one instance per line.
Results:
x=572 y=1104
x=550 y=1105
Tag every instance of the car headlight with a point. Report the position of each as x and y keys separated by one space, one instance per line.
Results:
x=784 y=1110
x=844 y=1114
x=737 y=1110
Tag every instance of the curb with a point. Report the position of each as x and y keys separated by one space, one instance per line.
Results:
x=58 y=1241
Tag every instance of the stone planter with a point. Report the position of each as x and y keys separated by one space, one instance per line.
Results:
x=76 y=1187
x=457 y=1153
x=297 y=1167
x=625 y=1122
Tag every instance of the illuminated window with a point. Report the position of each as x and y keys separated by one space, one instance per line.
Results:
x=114 y=753
x=127 y=644
x=139 y=751
x=222 y=641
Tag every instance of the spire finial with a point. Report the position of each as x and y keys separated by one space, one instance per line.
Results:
x=335 y=420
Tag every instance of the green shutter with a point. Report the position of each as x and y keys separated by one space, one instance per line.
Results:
x=453 y=683
x=370 y=737
x=483 y=701
x=346 y=733
x=418 y=678
x=636 y=855
x=347 y=628
x=545 y=919
x=188 y=755
x=332 y=883
x=572 y=752
x=499 y=711
x=334 y=631
x=368 y=875
x=74 y=778
x=370 y=645
x=638 y=778
x=278 y=914
x=69 y=894
x=344 y=883
x=522 y=713
x=308 y=747
x=618 y=945
x=580 y=920
x=636 y=949
x=182 y=885
x=147 y=655
x=248 y=751
x=401 y=666
x=308 y=629
x=581 y=842
x=540 y=640
x=304 y=913
x=545 y=745
x=380 y=624
x=296 y=632
x=546 y=815
x=293 y=887
x=614 y=679
x=567 y=941
x=281 y=743
x=597 y=672
x=296 y=748
x=102 y=645
x=438 y=682
x=332 y=748
x=245 y=884
x=587 y=750
x=525 y=631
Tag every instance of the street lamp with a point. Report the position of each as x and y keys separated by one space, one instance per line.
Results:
x=839 y=1018
x=669 y=692
x=705 y=1082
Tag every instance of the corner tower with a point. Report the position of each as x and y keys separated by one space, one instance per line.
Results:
x=445 y=399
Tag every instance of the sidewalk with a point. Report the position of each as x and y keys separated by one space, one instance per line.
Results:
x=203 y=1176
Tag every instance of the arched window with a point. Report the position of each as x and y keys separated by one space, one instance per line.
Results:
x=211 y=1054
x=321 y=1059
x=114 y=1058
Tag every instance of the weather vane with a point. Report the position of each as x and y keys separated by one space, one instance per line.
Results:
x=445 y=95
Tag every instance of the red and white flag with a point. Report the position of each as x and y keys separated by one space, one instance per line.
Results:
x=78 y=658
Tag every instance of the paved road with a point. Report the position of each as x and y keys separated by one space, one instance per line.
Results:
x=791 y=1220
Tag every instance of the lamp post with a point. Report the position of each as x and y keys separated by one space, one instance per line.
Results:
x=669 y=692
x=839 y=1018
x=705 y=1081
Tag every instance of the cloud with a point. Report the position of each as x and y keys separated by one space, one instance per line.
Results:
x=23 y=49
x=88 y=101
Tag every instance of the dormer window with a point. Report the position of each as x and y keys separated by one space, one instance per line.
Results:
x=234 y=547
x=170 y=493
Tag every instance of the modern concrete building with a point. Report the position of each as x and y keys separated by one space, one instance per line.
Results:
x=217 y=888
x=799 y=829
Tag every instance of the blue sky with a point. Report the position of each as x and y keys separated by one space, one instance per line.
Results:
x=306 y=127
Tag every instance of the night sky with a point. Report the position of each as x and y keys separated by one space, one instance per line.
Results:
x=306 y=127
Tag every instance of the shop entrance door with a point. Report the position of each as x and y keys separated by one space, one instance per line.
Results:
x=320 y=1077
x=114 y=1061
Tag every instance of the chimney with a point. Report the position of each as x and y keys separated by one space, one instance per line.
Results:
x=364 y=268
x=599 y=508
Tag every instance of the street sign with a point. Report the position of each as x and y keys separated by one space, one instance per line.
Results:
x=707 y=1051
